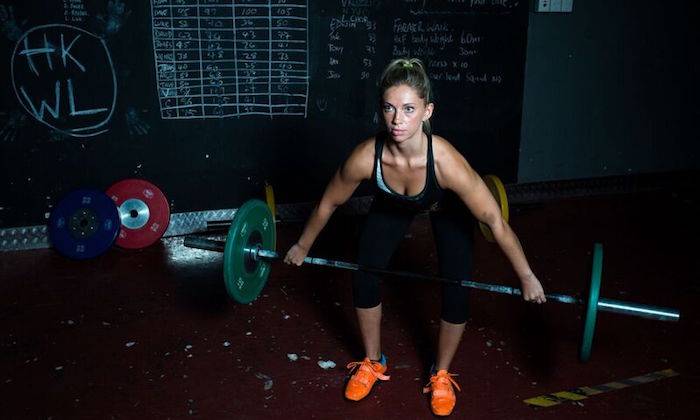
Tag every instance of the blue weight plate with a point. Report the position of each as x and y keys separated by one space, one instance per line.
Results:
x=84 y=224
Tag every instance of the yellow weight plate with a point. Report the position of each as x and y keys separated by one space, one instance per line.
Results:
x=498 y=191
x=270 y=200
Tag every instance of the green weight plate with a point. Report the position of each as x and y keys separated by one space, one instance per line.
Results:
x=252 y=225
x=592 y=304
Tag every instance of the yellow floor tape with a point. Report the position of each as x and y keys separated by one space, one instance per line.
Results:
x=582 y=393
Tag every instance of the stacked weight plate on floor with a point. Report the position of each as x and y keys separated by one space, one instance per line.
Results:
x=133 y=213
x=143 y=210
x=84 y=224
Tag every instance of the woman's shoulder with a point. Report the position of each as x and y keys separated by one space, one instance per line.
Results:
x=451 y=166
x=361 y=159
x=443 y=150
x=365 y=148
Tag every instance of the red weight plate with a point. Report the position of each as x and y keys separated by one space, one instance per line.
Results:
x=144 y=212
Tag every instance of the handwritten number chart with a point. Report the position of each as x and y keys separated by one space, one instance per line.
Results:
x=225 y=58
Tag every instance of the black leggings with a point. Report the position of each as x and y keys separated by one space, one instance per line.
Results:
x=383 y=229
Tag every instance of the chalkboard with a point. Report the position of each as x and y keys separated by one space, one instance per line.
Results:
x=208 y=99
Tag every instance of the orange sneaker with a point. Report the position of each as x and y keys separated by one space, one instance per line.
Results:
x=443 y=399
x=366 y=374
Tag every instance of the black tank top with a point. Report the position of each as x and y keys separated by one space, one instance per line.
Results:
x=424 y=200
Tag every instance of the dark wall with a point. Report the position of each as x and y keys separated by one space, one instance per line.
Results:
x=611 y=89
x=159 y=90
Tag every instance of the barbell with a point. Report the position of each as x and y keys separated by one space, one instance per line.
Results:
x=249 y=245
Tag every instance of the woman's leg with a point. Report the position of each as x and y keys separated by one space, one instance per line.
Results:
x=381 y=234
x=448 y=342
x=370 y=320
x=453 y=227
x=382 y=231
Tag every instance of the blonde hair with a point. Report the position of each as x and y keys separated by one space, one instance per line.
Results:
x=410 y=72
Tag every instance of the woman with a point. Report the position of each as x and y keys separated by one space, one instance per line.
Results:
x=414 y=171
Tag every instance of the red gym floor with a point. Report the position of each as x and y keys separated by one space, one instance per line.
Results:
x=152 y=334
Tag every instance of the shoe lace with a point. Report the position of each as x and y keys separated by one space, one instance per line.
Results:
x=366 y=366
x=440 y=381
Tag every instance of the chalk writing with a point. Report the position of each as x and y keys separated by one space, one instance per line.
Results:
x=64 y=77
x=74 y=11
x=356 y=19
x=436 y=32
x=222 y=58
x=436 y=40
x=462 y=7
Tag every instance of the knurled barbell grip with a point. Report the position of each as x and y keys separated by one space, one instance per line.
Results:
x=471 y=284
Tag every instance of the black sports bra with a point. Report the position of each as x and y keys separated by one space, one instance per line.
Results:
x=424 y=200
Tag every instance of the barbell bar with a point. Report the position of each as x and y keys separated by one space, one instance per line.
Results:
x=604 y=304
x=251 y=235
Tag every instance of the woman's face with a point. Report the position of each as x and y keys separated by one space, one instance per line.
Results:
x=404 y=112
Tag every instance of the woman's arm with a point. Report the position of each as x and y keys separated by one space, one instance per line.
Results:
x=455 y=173
x=356 y=168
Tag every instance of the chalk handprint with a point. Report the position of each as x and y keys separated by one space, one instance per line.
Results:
x=115 y=18
x=135 y=124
